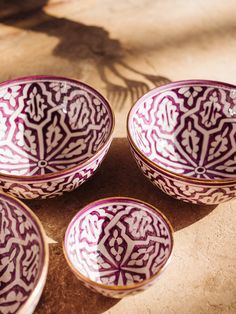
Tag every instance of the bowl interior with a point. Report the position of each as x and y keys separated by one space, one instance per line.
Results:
x=22 y=255
x=118 y=242
x=188 y=128
x=49 y=124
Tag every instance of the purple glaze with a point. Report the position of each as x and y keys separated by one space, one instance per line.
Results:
x=52 y=129
x=186 y=132
x=118 y=246
x=23 y=257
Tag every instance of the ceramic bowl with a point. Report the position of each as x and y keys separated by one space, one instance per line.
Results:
x=54 y=133
x=118 y=246
x=183 y=137
x=23 y=257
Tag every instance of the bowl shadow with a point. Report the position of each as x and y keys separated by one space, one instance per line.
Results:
x=118 y=176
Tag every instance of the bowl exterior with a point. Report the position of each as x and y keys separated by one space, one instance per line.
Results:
x=58 y=183
x=118 y=294
x=31 y=307
x=23 y=234
x=183 y=189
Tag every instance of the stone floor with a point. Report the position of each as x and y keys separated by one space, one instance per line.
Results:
x=123 y=49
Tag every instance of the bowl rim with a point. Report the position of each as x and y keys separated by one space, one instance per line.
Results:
x=156 y=211
x=41 y=280
x=63 y=172
x=162 y=88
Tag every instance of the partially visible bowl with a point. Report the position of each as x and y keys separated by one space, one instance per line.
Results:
x=118 y=246
x=54 y=133
x=23 y=257
x=183 y=137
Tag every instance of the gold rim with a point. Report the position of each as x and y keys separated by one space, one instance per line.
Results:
x=151 y=163
x=128 y=287
x=80 y=164
x=43 y=275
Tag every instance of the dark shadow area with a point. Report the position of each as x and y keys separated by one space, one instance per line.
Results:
x=86 y=44
x=118 y=176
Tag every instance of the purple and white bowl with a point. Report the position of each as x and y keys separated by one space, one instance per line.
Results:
x=183 y=137
x=23 y=257
x=54 y=133
x=118 y=246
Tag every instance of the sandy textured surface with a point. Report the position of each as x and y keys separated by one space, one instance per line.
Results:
x=124 y=48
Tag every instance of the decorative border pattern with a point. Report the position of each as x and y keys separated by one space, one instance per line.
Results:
x=56 y=186
x=185 y=191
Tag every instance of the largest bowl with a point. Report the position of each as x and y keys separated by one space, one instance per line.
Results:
x=183 y=137
x=54 y=133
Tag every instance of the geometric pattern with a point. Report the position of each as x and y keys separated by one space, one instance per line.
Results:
x=196 y=193
x=22 y=257
x=188 y=128
x=49 y=125
x=34 y=189
x=118 y=242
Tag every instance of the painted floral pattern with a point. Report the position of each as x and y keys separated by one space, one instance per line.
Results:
x=190 y=140
x=60 y=88
x=219 y=145
x=74 y=112
x=10 y=94
x=53 y=135
x=36 y=105
x=190 y=93
x=139 y=224
x=91 y=227
x=26 y=139
x=212 y=111
x=116 y=247
x=167 y=115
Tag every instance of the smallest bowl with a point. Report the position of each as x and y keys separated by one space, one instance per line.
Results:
x=118 y=246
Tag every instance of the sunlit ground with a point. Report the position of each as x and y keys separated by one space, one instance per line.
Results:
x=123 y=48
